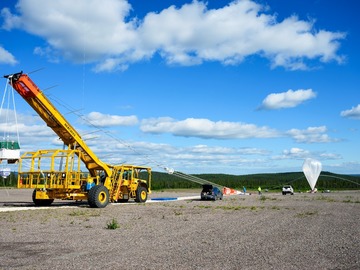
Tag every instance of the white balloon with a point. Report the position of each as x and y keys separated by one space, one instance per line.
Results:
x=169 y=170
x=312 y=169
x=5 y=172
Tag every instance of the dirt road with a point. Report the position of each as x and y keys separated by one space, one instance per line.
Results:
x=303 y=231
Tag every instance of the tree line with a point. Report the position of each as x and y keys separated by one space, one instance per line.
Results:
x=270 y=181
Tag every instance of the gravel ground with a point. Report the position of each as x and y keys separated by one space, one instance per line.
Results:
x=303 y=231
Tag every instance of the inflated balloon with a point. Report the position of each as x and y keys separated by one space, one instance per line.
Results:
x=5 y=172
x=169 y=170
x=312 y=169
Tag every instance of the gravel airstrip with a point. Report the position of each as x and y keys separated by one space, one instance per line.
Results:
x=272 y=231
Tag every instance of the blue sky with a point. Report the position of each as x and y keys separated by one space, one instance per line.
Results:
x=237 y=87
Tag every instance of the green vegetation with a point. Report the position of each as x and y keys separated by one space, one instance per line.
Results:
x=269 y=181
x=77 y=213
x=325 y=198
x=84 y=213
x=306 y=214
x=10 y=181
x=113 y=224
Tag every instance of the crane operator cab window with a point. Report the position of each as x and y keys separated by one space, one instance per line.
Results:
x=127 y=175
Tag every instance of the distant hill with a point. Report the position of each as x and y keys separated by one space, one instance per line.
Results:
x=270 y=181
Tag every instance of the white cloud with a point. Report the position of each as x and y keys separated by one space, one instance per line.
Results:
x=48 y=53
x=104 y=34
x=296 y=153
x=287 y=99
x=10 y=21
x=205 y=149
x=192 y=34
x=32 y=131
x=12 y=124
x=160 y=155
x=96 y=29
x=6 y=57
x=329 y=156
x=354 y=112
x=30 y=136
x=299 y=153
x=204 y=128
x=111 y=64
x=311 y=135
x=106 y=120
x=190 y=158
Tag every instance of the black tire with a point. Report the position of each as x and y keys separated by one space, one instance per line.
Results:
x=39 y=202
x=98 y=196
x=141 y=194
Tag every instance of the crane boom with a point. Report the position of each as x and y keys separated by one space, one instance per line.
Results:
x=103 y=184
x=54 y=119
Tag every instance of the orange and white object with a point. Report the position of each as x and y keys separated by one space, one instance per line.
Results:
x=230 y=191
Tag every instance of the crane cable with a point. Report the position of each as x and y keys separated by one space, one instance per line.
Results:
x=160 y=165
x=9 y=93
x=150 y=160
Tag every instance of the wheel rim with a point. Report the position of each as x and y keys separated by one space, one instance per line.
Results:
x=143 y=195
x=102 y=197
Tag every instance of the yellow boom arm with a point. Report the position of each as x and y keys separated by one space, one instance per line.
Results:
x=53 y=118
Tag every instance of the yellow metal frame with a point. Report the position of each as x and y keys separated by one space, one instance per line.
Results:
x=62 y=183
x=56 y=174
x=52 y=180
x=126 y=179
x=56 y=121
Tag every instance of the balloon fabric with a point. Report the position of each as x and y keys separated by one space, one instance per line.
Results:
x=312 y=169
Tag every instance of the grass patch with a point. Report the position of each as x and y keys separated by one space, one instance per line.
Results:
x=84 y=213
x=350 y=201
x=306 y=214
x=113 y=224
x=77 y=213
x=177 y=213
x=324 y=198
x=235 y=207
x=264 y=198
x=239 y=207
x=10 y=218
x=204 y=206
x=232 y=208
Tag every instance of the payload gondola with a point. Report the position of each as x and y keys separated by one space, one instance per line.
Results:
x=9 y=146
x=10 y=151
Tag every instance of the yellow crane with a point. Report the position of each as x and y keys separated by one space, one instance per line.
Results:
x=57 y=174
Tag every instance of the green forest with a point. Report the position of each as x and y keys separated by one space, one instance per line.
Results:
x=267 y=181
